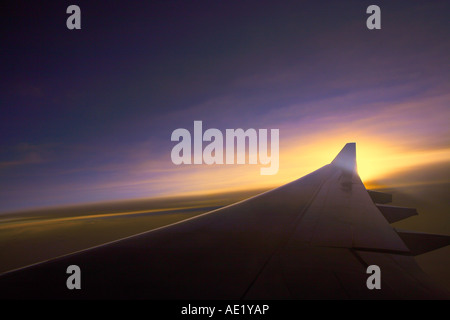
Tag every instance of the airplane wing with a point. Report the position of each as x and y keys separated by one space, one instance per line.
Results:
x=310 y=239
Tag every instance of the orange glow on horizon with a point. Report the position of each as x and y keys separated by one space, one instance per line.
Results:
x=391 y=140
x=376 y=159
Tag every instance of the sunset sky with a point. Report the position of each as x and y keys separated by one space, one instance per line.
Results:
x=87 y=115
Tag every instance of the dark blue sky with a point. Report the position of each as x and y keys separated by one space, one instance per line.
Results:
x=86 y=115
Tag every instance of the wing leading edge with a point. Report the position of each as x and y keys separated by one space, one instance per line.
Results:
x=311 y=238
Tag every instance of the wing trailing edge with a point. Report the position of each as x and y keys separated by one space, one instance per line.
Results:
x=380 y=197
x=312 y=238
x=394 y=213
x=419 y=242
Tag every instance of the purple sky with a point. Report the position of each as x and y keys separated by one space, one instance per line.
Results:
x=87 y=115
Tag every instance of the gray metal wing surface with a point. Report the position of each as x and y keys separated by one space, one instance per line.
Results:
x=310 y=239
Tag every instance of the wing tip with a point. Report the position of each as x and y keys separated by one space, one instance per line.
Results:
x=346 y=158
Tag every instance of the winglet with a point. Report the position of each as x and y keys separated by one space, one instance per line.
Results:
x=346 y=159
